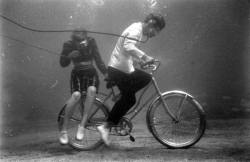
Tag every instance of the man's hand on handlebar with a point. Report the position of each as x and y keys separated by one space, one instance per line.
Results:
x=146 y=59
x=148 y=62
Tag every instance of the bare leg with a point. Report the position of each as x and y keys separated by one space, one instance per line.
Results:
x=91 y=92
x=69 y=109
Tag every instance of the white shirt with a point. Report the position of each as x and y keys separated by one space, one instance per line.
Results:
x=125 y=49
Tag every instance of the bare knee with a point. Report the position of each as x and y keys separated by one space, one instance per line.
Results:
x=91 y=91
x=76 y=95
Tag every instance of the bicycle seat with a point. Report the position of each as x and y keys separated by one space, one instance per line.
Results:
x=110 y=83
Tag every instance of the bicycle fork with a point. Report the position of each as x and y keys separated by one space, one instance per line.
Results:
x=166 y=108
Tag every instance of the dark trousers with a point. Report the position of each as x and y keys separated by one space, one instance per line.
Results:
x=128 y=85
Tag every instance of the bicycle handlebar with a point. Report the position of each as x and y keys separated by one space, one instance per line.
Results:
x=153 y=65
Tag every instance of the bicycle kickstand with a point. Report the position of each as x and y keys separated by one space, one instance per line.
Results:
x=132 y=139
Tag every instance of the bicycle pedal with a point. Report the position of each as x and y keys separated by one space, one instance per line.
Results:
x=132 y=139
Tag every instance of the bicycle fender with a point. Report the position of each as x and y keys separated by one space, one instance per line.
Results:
x=169 y=93
x=179 y=92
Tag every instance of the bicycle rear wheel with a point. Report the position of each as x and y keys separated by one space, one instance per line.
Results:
x=190 y=124
x=91 y=140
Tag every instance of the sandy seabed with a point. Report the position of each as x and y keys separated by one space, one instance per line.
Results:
x=224 y=140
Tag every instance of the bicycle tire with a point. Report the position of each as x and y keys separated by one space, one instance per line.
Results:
x=92 y=138
x=183 y=133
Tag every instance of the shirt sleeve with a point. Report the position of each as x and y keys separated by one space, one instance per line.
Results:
x=98 y=59
x=67 y=48
x=133 y=35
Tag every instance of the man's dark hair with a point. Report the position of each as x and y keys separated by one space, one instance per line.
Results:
x=159 y=20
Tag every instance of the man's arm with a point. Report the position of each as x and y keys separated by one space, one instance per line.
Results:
x=131 y=48
x=64 y=59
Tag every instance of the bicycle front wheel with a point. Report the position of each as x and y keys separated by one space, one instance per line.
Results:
x=190 y=121
x=91 y=140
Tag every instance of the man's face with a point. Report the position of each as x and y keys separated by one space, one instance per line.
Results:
x=151 y=30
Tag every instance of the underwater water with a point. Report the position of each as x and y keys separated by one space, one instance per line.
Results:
x=203 y=50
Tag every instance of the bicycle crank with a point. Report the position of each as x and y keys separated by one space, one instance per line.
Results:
x=124 y=128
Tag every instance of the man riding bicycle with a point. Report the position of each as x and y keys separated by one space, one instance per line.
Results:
x=122 y=71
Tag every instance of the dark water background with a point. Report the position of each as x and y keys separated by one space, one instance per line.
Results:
x=204 y=50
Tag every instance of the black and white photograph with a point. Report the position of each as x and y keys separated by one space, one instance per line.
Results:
x=125 y=80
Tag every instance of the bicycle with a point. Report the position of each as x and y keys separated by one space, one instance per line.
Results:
x=175 y=118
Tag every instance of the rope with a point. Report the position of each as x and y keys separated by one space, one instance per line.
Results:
x=67 y=30
x=31 y=45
